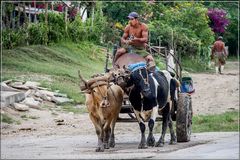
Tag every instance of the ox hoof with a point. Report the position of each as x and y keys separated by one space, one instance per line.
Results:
x=172 y=142
x=99 y=149
x=142 y=146
x=112 y=144
x=106 y=146
x=151 y=141
x=159 y=144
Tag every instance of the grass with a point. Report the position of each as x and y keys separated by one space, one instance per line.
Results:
x=25 y=117
x=6 y=119
x=225 y=122
x=228 y=121
x=56 y=66
x=75 y=110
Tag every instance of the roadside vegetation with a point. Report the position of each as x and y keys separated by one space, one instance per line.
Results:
x=228 y=121
x=55 y=66
x=225 y=122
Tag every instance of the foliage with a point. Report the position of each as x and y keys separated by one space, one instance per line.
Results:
x=56 y=65
x=76 y=30
x=12 y=38
x=96 y=27
x=56 y=26
x=218 y=19
x=187 y=22
x=38 y=33
x=6 y=119
x=118 y=11
x=182 y=24
x=228 y=121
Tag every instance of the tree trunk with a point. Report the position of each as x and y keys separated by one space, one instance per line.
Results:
x=24 y=13
x=29 y=14
x=78 y=8
x=51 y=6
x=12 y=17
x=7 y=17
x=46 y=13
x=66 y=15
x=35 y=14
x=93 y=10
x=25 y=22
x=19 y=15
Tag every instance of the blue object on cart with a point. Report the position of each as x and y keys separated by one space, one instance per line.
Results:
x=187 y=85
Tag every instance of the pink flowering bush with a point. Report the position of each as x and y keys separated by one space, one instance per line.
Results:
x=218 y=19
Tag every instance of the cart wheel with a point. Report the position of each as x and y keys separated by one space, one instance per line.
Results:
x=184 y=118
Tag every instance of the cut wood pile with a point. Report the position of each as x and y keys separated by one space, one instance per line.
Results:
x=22 y=95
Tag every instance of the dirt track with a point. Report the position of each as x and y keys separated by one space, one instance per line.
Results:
x=214 y=94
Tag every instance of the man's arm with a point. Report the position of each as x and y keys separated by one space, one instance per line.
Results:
x=125 y=35
x=224 y=50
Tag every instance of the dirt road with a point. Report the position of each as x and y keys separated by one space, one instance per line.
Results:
x=205 y=145
x=41 y=137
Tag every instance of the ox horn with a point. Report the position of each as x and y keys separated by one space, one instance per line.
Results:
x=83 y=80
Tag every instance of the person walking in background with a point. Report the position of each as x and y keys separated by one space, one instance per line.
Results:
x=219 y=54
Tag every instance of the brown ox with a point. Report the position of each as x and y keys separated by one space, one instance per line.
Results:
x=104 y=101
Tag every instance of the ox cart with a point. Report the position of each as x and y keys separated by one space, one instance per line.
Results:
x=181 y=107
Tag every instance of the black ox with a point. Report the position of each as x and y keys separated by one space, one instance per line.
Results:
x=149 y=95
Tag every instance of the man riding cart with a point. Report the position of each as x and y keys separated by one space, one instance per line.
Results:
x=134 y=40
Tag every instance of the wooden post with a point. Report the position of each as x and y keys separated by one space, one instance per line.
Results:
x=46 y=12
x=19 y=15
x=29 y=14
x=66 y=14
x=93 y=9
x=12 y=17
x=172 y=40
x=35 y=14
x=24 y=13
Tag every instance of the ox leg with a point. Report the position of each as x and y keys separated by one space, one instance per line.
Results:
x=112 y=136
x=151 y=122
x=100 y=147
x=166 y=114
x=142 y=143
x=106 y=132
x=99 y=132
x=173 y=139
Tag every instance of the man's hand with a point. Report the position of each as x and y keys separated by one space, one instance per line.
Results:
x=136 y=39
x=127 y=42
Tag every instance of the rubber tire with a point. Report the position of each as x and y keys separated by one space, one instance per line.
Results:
x=184 y=118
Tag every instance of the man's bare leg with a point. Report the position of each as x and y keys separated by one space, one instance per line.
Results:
x=119 y=53
x=151 y=62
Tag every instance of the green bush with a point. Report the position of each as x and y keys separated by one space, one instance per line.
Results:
x=12 y=38
x=38 y=33
x=76 y=31
x=56 y=26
